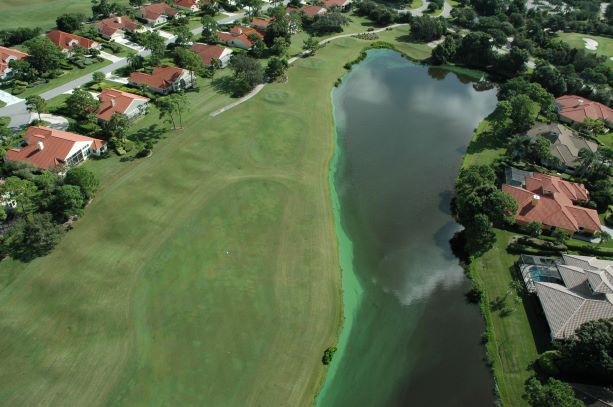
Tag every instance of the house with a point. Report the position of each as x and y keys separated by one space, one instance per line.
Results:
x=163 y=79
x=572 y=290
x=156 y=13
x=574 y=109
x=551 y=201
x=208 y=53
x=6 y=56
x=260 y=24
x=190 y=5
x=49 y=148
x=68 y=41
x=116 y=101
x=308 y=10
x=565 y=143
x=115 y=27
x=342 y=4
x=239 y=37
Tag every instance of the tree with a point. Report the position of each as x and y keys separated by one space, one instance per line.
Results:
x=534 y=229
x=102 y=8
x=480 y=236
x=98 y=77
x=604 y=237
x=513 y=63
x=551 y=79
x=536 y=150
x=135 y=61
x=172 y=107
x=311 y=44
x=155 y=43
x=209 y=28
x=22 y=191
x=476 y=50
x=117 y=126
x=560 y=236
x=44 y=55
x=69 y=22
x=427 y=29
x=81 y=104
x=588 y=161
x=189 y=60
x=445 y=52
x=488 y=7
x=68 y=201
x=136 y=3
x=278 y=28
x=588 y=355
x=554 y=393
x=536 y=92
x=258 y=49
x=253 y=7
x=276 y=67
x=32 y=237
x=247 y=72
x=330 y=22
x=184 y=36
x=594 y=126
x=515 y=115
x=84 y=179
x=36 y=104
x=280 y=46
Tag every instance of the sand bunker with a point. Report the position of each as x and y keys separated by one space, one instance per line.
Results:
x=590 y=44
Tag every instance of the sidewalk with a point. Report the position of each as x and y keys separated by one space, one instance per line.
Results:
x=8 y=98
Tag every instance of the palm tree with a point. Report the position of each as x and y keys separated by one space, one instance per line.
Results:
x=587 y=160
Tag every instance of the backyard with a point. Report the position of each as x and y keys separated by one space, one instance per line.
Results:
x=205 y=274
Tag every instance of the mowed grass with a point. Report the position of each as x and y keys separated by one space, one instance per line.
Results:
x=206 y=274
x=605 y=45
x=40 y=13
x=518 y=330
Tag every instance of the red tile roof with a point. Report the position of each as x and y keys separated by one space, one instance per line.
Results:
x=6 y=54
x=577 y=108
x=247 y=31
x=208 y=52
x=549 y=200
x=260 y=22
x=339 y=3
x=111 y=25
x=115 y=101
x=66 y=40
x=56 y=146
x=186 y=3
x=161 y=77
x=155 y=10
x=226 y=37
x=312 y=11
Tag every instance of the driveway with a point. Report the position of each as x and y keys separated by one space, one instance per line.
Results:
x=8 y=98
x=56 y=122
x=109 y=57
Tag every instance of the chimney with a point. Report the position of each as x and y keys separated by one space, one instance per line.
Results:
x=118 y=20
x=535 y=199
x=579 y=102
x=112 y=102
x=40 y=145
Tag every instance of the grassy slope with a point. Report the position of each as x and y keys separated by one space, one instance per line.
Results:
x=605 y=45
x=204 y=275
x=40 y=13
x=517 y=337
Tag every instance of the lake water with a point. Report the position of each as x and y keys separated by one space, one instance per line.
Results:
x=410 y=338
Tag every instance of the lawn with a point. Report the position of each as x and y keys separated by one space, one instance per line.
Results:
x=483 y=148
x=2 y=104
x=40 y=13
x=206 y=274
x=415 y=4
x=605 y=45
x=65 y=78
x=518 y=331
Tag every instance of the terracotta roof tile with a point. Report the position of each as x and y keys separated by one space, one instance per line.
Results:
x=577 y=108
x=115 y=101
x=67 y=40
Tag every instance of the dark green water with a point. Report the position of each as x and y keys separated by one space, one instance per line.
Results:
x=409 y=338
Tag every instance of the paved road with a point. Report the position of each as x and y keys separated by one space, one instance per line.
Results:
x=19 y=114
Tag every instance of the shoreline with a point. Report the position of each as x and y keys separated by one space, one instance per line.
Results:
x=350 y=288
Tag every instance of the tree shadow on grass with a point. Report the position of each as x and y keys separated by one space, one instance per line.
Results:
x=150 y=134
x=227 y=85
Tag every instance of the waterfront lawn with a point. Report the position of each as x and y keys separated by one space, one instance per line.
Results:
x=205 y=274
x=483 y=149
x=575 y=40
x=40 y=13
x=517 y=332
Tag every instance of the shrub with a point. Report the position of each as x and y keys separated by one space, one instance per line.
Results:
x=328 y=355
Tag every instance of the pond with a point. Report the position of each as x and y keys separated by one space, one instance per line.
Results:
x=410 y=338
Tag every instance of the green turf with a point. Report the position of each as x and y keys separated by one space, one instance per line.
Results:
x=206 y=274
x=64 y=78
x=518 y=331
x=605 y=45
x=415 y=4
x=2 y=104
x=40 y=13
x=483 y=148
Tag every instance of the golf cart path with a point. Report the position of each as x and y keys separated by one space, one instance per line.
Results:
x=259 y=87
